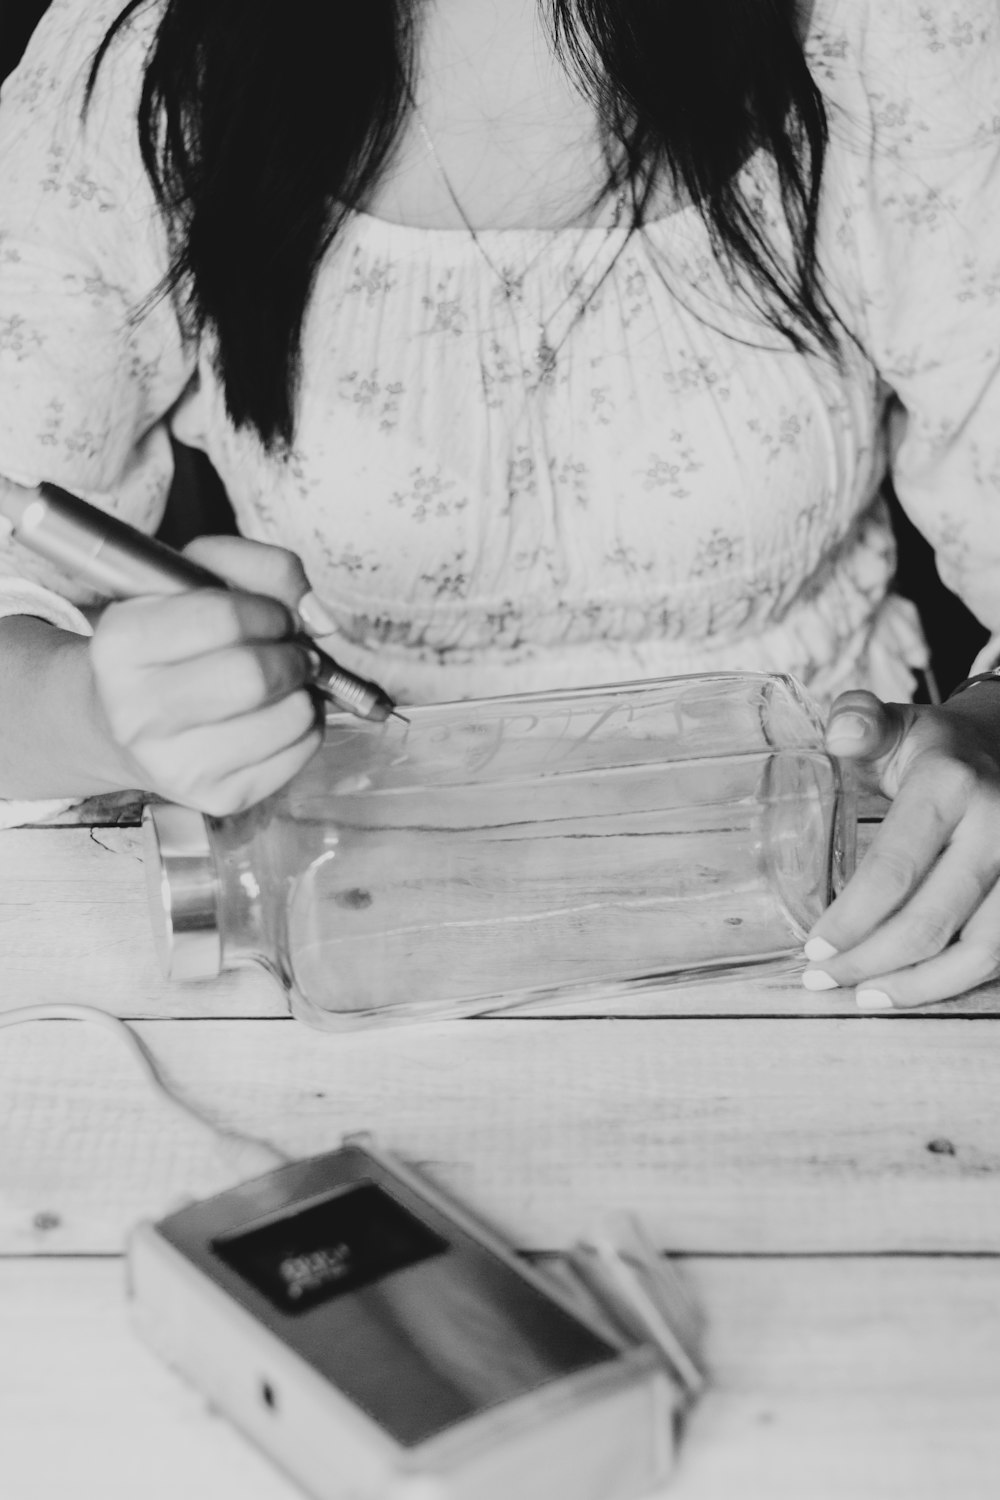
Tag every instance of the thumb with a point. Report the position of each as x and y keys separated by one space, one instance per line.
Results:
x=863 y=728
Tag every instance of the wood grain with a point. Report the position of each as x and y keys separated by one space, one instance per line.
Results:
x=860 y=1135
x=74 y=925
x=741 y=1118
x=830 y=1380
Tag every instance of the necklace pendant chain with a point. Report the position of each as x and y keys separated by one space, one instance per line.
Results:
x=511 y=281
x=545 y=357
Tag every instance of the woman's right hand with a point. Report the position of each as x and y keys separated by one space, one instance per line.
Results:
x=205 y=694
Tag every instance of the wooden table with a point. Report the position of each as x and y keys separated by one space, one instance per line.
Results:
x=828 y=1181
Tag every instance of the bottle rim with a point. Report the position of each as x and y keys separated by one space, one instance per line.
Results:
x=183 y=888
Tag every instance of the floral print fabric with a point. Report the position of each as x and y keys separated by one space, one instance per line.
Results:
x=678 y=491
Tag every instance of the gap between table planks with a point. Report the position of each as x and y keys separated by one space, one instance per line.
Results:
x=830 y=1380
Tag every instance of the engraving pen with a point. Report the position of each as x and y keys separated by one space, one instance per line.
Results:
x=124 y=563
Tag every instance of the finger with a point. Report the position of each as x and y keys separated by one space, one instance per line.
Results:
x=192 y=766
x=153 y=631
x=245 y=789
x=256 y=567
x=862 y=727
x=916 y=828
x=949 y=897
x=973 y=960
x=210 y=689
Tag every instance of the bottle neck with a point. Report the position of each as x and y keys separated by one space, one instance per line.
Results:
x=211 y=902
x=247 y=894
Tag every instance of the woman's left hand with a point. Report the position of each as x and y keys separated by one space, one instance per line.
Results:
x=920 y=919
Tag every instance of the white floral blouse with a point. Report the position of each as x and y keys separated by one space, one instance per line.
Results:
x=677 y=493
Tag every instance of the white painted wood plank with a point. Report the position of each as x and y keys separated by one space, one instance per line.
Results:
x=868 y=1134
x=831 y=1380
x=85 y=1411
x=74 y=926
x=849 y=1379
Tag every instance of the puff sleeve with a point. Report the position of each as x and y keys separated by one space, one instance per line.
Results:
x=912 y=219
x=91 y=362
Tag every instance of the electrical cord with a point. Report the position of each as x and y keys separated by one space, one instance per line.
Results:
x=244 y=1153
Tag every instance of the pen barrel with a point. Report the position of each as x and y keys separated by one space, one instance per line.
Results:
x=104 y=552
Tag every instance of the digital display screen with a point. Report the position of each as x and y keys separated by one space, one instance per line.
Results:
x=333 y=1247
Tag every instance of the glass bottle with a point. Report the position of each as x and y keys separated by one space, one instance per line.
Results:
x=553 y=845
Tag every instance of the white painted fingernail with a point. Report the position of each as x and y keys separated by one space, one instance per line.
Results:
x=815 y=979
x=314 y=616
x=873 y=1002
x=817 y=950
x=847 y=729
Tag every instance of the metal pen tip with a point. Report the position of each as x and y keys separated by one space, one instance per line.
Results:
x=395 y=714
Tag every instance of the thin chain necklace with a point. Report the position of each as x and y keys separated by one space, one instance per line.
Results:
x=511 y=282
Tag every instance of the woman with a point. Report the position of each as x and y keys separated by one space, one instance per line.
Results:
x=562 y=343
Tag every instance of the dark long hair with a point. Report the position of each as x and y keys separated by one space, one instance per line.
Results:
x=263 y=122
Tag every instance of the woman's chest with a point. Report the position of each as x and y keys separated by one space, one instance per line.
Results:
x=439 y=460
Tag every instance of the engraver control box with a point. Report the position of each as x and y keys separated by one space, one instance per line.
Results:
x=379 y=1343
